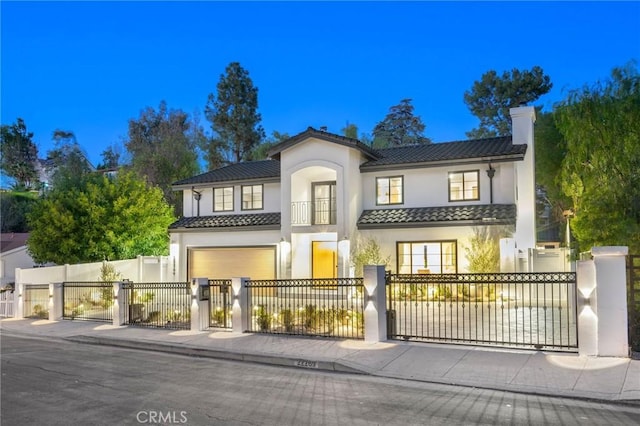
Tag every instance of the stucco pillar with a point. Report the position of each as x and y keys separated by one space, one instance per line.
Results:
x=375 y=308
x=240 y=312
x=119 y=304
x=602 y=303
x=19 y=302
x=56 y=303
x=199 y=308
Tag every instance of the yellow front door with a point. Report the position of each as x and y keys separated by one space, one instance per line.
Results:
x=324 y=255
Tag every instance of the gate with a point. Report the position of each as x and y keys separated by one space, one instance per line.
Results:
x=220 y=304
x=527 y=310
x=87 y=301
x=160 y=305
x=6 y=303
x=36 y=301
x=633 y=297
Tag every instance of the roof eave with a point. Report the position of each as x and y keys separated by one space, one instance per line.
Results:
x=270 y=179
x=226 y=229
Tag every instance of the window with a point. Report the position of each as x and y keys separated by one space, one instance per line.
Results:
x=252 y=197
x=389 y=190
x=223 y=199
x=427 y=257
x=463 y=186
x=324 y=203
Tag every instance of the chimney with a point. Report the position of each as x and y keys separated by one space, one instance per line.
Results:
x=522 y=120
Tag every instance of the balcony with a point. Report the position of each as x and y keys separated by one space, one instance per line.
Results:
x=322 y=211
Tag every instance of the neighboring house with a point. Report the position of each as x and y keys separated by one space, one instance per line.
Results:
x=297 y=214
x=13 y=254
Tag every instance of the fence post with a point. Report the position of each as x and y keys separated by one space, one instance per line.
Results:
x=602 y=303
x=119 y=304
x=375 y=310
x=239 y=314
x=199 y=308
x=56 y=304
x=19 y=303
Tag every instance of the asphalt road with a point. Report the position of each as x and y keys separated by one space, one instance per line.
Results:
x=54 y=382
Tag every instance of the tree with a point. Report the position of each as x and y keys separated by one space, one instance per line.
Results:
x=350 y=131
x=100 y=219
x=550 y=150
x=68 y=160
x=483 y=253
x=234 y=118
x=491 y=98
x=400 y=127
x=601 y=127
x=110 y=158
x=162 y=145
x=19 y=154
x=14 y=207
x=259 y=152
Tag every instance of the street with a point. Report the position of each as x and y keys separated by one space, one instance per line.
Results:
x=55 y=382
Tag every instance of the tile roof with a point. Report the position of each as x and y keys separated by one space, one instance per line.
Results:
x=493 y=148
x=438 y=216
x=266 y=220
x=319 y=134
x=261 y=169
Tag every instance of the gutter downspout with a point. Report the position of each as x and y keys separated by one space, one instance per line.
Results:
x=491 y=172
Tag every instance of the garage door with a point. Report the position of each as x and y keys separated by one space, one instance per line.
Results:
x=258 y=263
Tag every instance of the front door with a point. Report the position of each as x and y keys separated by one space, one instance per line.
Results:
x=324 y=259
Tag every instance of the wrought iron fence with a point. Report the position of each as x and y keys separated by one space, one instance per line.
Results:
x=162 y=305
x=311 y=307
x=536 y=310
x=36 y=301
x=321 y=211
x=220 y=303
x=88 y=301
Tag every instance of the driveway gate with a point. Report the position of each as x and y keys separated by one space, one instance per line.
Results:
x=530 y=310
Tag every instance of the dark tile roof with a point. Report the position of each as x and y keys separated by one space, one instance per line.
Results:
x=438 y=216
x=319 y=134
x=266 y=220
x=492 y=148
x=241 y=171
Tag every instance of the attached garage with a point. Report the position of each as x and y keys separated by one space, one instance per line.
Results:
x=258 y=263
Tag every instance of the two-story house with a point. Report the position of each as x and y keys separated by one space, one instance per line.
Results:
x=296 y=214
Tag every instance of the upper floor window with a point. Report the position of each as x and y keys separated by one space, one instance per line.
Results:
x=389 y=190
x=252 y=197
x=324 y=203
x=463 y=186
x=223 y=199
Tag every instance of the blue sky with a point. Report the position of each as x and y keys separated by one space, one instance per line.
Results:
x=89 y=67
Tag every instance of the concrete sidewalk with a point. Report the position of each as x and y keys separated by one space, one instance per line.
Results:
x=544 y=373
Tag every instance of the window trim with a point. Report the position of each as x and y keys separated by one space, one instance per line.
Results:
x=462 y=172
x=252 y=193
x=401 y=177
x=222 y=188
x=333 y=202
x=453 y=241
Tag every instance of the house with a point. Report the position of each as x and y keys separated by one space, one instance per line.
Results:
x=13 y=254
x=297 y=214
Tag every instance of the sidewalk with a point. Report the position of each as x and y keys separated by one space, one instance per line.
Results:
x=544 y=373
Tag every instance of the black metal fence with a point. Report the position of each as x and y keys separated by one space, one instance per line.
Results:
x=36 y=301
x=535 y=310
x=633 y=295
x=88 y=301
x=311 y=307
x=162 y=305
x=220 y=303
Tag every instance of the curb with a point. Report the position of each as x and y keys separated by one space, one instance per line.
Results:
x=184 y=349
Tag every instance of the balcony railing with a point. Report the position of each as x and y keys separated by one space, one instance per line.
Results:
x=322 y=211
